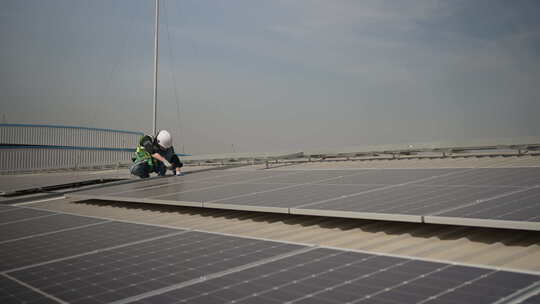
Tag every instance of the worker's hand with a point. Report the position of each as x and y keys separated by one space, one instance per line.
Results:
x=167 y=164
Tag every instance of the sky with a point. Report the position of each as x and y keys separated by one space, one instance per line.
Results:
x=276 y=75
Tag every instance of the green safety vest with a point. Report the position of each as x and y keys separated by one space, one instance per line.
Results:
x=141 y=155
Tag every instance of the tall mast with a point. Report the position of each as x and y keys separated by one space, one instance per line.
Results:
x=156 y=33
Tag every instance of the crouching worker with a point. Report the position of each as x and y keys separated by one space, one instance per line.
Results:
x=155 y=155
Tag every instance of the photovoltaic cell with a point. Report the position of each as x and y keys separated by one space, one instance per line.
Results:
x=128 y=187
x=332 y=276
x=22 y=214
x=4 y=208
x=393 y=176
x=532 y=300
x=216 y=193
x=148 y=192
x=223 y=177
x=295 y=196
x=67 y=243
x=302 y=177
x=13 y=292
x=128 y=271
x=521 y=206
x=410 y=199
x=43 y=225
x=246 y=177
x=521 y=177
x=242 y=177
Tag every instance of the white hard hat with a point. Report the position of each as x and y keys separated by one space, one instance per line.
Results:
x=164 y=139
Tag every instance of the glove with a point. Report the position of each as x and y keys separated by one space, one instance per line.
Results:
x=168 y=164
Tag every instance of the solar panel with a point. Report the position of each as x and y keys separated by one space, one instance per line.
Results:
x=333 y=276
x=6 y=208
x=413 y=195
x=106 y=261
x=20 y=214
x=245 y=177
x=297 y=195
x=522 y=205
x=148 y=190
x=532 y=300
x=217 y=192
x=520 y=209
x=157 y=183
x=13 y=292
x=409 y=199
x=391 y=176
x=520 y=177
x=41 y=226
x=302 y=177
x=24 y=252
x=131 y=270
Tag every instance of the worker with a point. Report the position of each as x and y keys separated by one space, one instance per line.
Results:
x=155 y=155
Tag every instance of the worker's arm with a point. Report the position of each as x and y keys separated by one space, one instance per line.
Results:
x=162 y=159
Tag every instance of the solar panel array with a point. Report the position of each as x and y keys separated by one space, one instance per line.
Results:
x=333 y=276
x=489 y=197
x=92 y=260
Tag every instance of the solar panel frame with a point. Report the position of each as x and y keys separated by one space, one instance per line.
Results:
x=359 y=215
x=479 y=222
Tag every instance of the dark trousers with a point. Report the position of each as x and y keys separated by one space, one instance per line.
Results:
x=143 y=170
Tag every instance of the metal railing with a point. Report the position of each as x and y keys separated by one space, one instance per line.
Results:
x=25 y=147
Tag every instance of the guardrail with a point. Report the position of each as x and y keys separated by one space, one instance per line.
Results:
x=26 y=147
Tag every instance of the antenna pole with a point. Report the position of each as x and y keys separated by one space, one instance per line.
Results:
x=156 y=33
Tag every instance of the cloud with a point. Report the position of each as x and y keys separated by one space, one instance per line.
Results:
x=289 y=73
